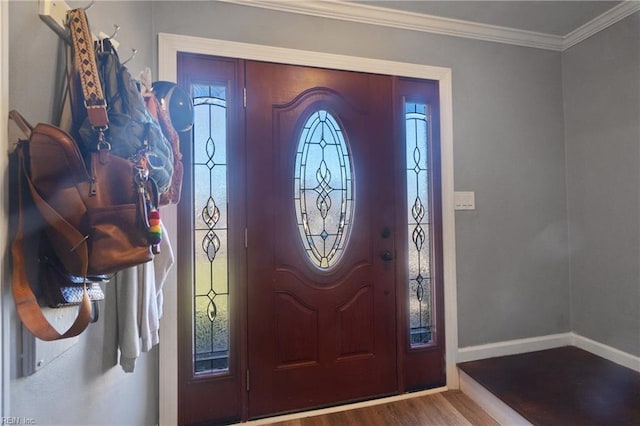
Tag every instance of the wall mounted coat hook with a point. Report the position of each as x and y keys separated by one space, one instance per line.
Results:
x=133 y=55
x=116 y=28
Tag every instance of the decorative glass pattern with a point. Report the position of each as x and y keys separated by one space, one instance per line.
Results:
x=323 y=189
x=419 y=242
x=211 y=283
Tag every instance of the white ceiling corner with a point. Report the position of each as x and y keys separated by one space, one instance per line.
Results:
x=367 y=14
x=598 y=24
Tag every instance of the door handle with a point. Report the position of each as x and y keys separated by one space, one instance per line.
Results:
x=386 y=255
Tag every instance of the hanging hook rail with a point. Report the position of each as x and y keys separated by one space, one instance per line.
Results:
x=54 y=14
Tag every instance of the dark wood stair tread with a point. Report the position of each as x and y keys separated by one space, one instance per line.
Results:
x=562 y=386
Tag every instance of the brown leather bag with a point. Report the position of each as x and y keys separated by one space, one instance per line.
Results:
x=95 y=218
x=105 y=205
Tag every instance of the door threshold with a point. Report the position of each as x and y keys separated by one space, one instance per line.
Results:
x=345 y=407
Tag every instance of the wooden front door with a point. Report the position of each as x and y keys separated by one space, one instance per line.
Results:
x=320 y=204
x=310 y=249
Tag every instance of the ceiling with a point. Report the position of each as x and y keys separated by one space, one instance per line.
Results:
x=549 y=17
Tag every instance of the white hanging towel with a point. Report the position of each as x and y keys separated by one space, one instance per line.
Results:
x=139 y=304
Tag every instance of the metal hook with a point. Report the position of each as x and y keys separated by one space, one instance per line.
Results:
x=89 y=5
x=133 y=55
x=116 y=28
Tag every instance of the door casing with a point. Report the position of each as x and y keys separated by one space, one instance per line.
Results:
x=170 y=45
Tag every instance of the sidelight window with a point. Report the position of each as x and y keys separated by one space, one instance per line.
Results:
x=211 y=281
x=419 y=241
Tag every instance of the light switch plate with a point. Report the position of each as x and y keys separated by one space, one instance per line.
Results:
x=464 y=200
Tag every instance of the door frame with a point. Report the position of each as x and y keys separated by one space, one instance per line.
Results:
x=168 y=47
x=5 y=289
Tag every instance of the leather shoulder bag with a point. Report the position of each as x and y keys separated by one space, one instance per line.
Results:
x=98 y=219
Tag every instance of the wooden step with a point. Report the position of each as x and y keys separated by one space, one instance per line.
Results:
x=561 y=386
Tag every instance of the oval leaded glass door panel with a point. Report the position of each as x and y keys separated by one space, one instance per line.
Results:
x=323 y=189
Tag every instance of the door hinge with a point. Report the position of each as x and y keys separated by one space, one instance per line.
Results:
x=247 y=380
x=244 y=97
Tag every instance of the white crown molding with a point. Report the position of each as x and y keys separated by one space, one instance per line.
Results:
x=366 y=14
x=601 y=22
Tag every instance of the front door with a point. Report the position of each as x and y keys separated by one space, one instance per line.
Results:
x=310 y=249
x=320 y=209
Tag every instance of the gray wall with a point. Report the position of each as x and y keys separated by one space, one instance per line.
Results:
x=601 y=81
x=512 y=251
x=514 y=276
x=84 y=385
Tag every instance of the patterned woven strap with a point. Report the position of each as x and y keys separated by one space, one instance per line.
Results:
x=85 y=62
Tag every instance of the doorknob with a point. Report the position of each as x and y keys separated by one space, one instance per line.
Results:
x=386 y=256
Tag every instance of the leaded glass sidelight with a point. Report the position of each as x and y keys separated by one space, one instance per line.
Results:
x=419 y=242
x=323 y=189
x=211 y=283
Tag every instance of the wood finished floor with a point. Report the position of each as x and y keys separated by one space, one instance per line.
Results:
x=450 y=408
x=557 y=387
x=562 y=386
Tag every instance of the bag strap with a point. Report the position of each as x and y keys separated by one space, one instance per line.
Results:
x=26 y=302
x=66 y=107
x=85 y=62
x=22 y=124
x=27 y=305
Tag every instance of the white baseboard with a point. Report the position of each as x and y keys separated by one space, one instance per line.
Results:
x=497 y=409
x=513 y=347
x=518 y=346
x=612 y=354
